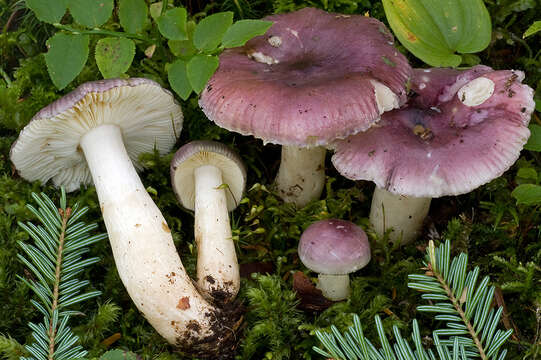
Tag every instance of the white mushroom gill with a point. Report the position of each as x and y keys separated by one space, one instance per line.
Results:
x=385 y=97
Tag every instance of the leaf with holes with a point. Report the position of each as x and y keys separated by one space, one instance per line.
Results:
x=200 y=69
x=244 y=30
x=66 y=57
x=49 y=11
x=132 y=15
x=91 y=13
x=114 y=56
x=435 y=31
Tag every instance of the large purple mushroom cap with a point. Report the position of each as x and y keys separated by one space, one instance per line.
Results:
x=461 y=131
x=334 y=247
x=314 y=77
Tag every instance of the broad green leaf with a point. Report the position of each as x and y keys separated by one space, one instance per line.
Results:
x=118 y=354
x=91 y=13
x=527 y=174
x=200 y=69
x=184 y=48
x=66 y=57
x=527 y=194
x=434 y=31
x=537 y=104
x=132 y=15
x=156 y=9
x=114 y=56
x=172 y=24
x=178 y=78
x=534 y=142
x=244 y=30
x=535 y=27
x=211 y=29
x=49 y=11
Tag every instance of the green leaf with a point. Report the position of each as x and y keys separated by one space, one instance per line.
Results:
x=211 y=29
x=527 y=194
x=172 y=24
x=118 y=354
x=534 y=142
x=114 y=56
x=66 y=57
x=200 y=69
x=434 y=31
x=178 y=78
x=244 y=30
x=91 y=13
x=535 y=27
x=49 y=11
x=184 y=48
x=132 y=15
x=527 y=174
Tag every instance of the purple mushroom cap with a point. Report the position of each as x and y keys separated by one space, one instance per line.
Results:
x=443 y=143
x=334 y=247
x=311 y=79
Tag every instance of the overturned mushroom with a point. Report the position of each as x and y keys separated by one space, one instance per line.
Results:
x=209 y=178
x=95 y=134
x=461 y=130
x=314 y=77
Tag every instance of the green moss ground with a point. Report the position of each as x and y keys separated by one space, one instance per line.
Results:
x=500 y=237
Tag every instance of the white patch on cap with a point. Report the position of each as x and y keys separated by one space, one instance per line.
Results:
x=275 y=41
x=427 y=70
x=385 y=97
x=262 y=58
x=422 y=86
x=476 y=91
x=293 y=32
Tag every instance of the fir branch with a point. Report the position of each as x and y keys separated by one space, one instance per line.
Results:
x=55 y=259
x=465 y=306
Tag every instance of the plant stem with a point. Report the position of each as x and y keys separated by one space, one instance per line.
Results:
x=101 y=32
x=458 y=308
x=5 y=76
x=65 y=214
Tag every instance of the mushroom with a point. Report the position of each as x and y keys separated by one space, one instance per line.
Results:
x=209 y=178
x=314 y=77
x=334 y=248
x=95 y=134
x=461 y=130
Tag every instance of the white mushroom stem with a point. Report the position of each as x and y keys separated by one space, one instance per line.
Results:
x=145 y=256
x=334 y=287
x=403 y=214
x=217 y=268
x=301 y=176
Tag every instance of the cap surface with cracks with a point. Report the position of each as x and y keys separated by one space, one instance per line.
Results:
x=314 y=77
x=48 y=147
x=199 y=153
x=335 y=247
x=462 y=130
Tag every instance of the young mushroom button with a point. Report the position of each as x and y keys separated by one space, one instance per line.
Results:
x=461 y=130
x=95 y=134
x=312 y=78
x=209 y=178
x=334 y=249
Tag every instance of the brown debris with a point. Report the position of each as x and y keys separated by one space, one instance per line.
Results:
x=311 y=298
x=183 y=303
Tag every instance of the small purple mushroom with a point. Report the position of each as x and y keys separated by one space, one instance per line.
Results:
x=334 y=248
x=314 y=77
x=461 y=130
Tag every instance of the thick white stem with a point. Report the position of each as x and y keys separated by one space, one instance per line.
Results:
x=301 y=176
x=334 y=287
x=403 y=214
x=217 y=267
x=143 y=248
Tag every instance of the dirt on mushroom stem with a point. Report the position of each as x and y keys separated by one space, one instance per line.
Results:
x=226 y=325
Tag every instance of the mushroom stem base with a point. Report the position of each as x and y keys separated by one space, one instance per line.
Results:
x=334 y=287
x=301 y=176
x=403 y=214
